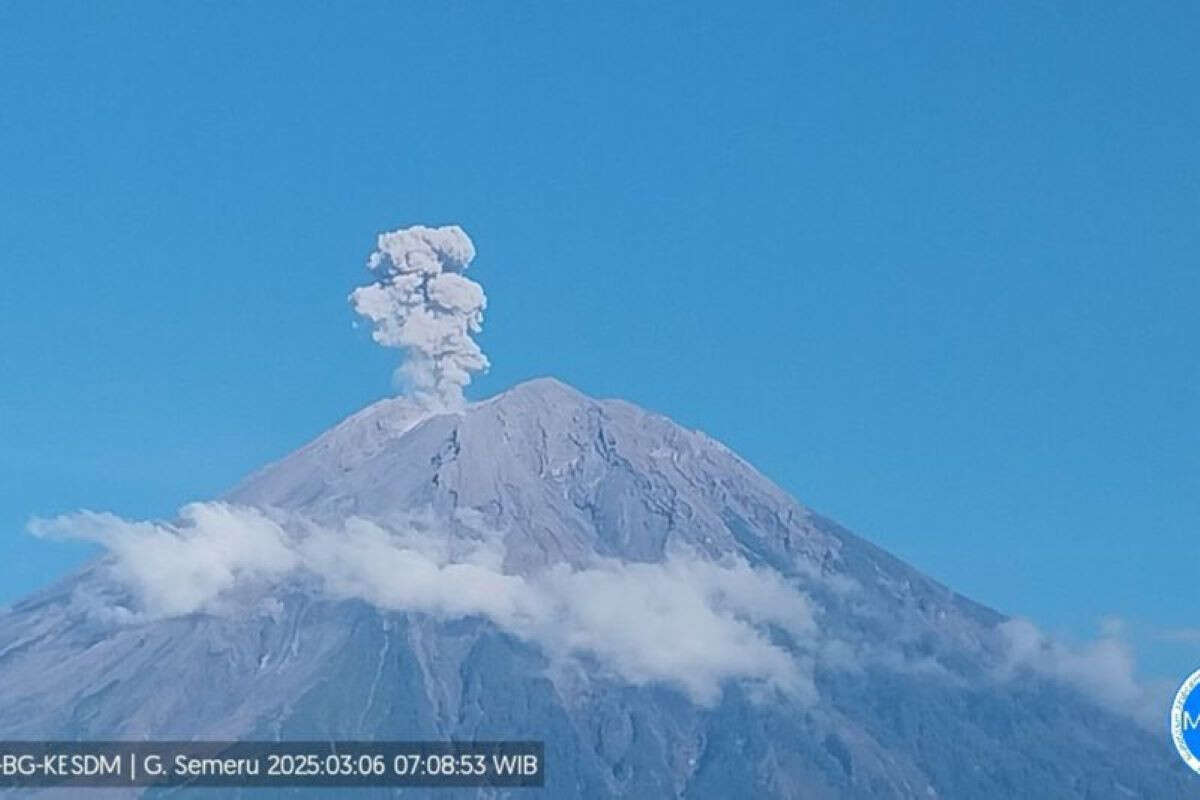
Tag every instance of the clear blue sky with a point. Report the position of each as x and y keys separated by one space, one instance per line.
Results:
x=933 y=269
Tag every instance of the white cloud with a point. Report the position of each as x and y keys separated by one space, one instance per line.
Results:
x=177 y=569
x=686 y=622
x=1104 y=669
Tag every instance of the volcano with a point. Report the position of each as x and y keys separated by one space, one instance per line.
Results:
x=842 y=671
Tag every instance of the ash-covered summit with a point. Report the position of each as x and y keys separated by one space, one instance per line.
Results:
x=544 y=565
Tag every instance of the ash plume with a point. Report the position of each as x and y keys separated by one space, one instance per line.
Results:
x=421 y=303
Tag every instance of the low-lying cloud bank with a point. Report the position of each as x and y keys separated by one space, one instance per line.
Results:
x=1104 y=669
x=687 y=622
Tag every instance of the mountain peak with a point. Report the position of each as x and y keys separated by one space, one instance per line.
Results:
x=365 y=434
x=542 y=564
x=544 y=386
x=568 y=476
x=544 y=395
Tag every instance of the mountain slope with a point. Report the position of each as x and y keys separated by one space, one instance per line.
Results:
x=908 y=689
